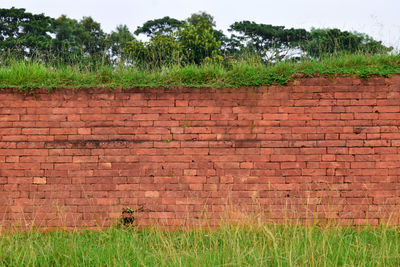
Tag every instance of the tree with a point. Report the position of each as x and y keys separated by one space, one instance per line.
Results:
x=201 y=18
x=160 y=51
x=209 y=22
x=79 y=41
x=330 y=41
x=65 y=45
x=118 y=40
x=198 y=42
x=163 y=26
x=270 y=42
x=23 y=33
x=176 y=42
x=92 y=38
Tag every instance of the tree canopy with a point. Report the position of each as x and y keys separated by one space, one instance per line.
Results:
x=162 y=26
x=23 y=33
x=266 y=39
x=329 y=41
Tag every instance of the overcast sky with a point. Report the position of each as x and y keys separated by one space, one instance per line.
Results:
x=378 y=18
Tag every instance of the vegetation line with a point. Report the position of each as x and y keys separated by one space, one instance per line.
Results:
x=27 y=75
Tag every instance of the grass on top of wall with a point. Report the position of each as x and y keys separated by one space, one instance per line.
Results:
x=27 y=75
x=243 y=245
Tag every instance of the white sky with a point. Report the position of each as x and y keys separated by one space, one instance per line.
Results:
x=378 y=18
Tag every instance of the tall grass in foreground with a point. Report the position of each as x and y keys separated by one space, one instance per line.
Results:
x=251 y=245
x=33 y=74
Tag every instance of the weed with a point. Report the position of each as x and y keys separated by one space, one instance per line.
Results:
x=128 y=217
x=186 y=124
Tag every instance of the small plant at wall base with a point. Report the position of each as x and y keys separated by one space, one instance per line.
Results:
x=128 y=218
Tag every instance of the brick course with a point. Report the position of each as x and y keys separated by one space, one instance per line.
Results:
x=315 y=149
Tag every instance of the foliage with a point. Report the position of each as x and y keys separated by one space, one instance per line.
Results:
x=65 y=45
x=118 y=40
x=162 y=26
x=192 y=42
x=332 y=41
x=79 y=42
x=23 y=33
x=201 y=18
x=198 y=42
x=209 y=23
x=160 y=51
x=267 y=40
x=92 y=38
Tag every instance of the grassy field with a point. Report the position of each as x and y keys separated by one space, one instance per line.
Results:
x=261 y=245
x=30 y=74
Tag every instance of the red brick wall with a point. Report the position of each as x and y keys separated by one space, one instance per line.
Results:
x=318 y=148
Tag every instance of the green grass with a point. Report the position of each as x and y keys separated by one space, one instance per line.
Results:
x=261 y=245
x=31 y=75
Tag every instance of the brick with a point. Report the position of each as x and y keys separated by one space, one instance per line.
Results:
x=336 y=143
x=361 y=150
x=37 y=131
x=9 y=118
x=54 y=131
x=346 y=116
x=384 y=109
x=313 y=150
x=304 y=117
x=362 y=165
x=284 y=158
x=193 y=180
x=304 y=130
x=296 y=110
x=377 y=143
x=306 y=103
x=326 y=116
x=250 y=116
x=146 y=117
x=366 y=116
x=84 y=131
x=293 y=165
x=277 y=116
x=313 y=136
x=389 y=116
x=48 y=118
x=355 y=136
x=39 y=180
x=286 y=151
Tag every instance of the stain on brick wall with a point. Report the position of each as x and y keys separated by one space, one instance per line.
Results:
x=316 y=149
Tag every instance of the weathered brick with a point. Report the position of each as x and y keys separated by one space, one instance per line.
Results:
x=284 y=158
